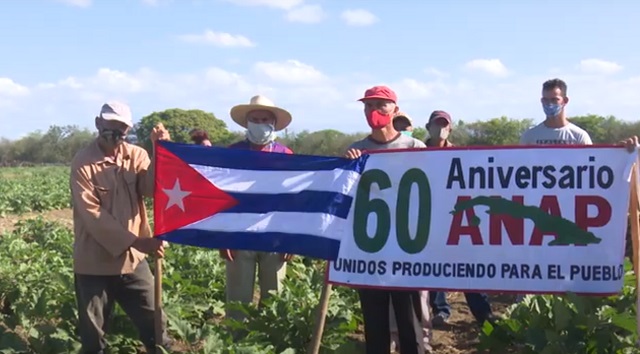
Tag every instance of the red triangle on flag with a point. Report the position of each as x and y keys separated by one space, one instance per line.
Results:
x=182 y=195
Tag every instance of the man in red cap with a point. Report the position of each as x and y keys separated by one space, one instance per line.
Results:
x=380 y=106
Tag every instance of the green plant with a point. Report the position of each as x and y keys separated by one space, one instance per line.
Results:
x=548 y=324
x=35 y=189
x=38 y=309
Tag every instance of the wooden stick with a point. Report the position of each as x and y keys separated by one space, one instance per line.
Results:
x=157 y=298
x=323 y=305
x=634 y=223
x=158 y=302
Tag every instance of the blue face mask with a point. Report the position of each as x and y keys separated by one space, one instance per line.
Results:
x=552 y=109
x=407 y=133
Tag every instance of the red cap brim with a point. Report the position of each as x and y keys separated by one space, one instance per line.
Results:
x=376 y=98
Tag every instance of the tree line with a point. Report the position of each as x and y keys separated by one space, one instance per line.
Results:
x=59 y=144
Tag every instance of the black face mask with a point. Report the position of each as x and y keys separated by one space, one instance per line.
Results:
x=112 y=136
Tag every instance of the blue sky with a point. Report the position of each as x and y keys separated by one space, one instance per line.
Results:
x=61 y=59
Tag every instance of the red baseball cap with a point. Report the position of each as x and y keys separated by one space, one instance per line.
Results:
x=380 y=92
x=440 y=114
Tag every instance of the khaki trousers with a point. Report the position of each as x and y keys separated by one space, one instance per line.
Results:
x=241 y=276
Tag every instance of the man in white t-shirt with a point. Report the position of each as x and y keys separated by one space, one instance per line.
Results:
x=556 y=129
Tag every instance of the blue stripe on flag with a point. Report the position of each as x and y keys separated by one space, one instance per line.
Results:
x=239 y=159
x=299 y=244
x=332 y=203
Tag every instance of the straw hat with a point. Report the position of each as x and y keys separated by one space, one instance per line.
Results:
x=239 y=113
x=400 y=114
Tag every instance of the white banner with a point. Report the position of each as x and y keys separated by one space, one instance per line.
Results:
x=530 y=220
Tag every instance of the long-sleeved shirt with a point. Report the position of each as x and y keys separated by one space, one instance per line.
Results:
x=108 y=208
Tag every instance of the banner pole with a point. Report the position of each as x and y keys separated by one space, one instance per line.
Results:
x=634 y=223
x=158 y=302
x=157 y=298
x=323 y=305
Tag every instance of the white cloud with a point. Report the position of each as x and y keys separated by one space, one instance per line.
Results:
x=278 y=4
x=290 y=72
x=599 y=66
x=78 y=3
x=87 y=3
x=490 y=66
x=317 y=100
x=105 y=84
x=435 y=72
x=220 y=39
x=411 y=89
x=105 y=79
x=70 y=82
x=156 y=2
x=119 y=81
x=232 y=84
x=306 y=14
x=10 y=88
x=358 y=17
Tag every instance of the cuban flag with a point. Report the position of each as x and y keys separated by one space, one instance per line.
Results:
x=249 y=200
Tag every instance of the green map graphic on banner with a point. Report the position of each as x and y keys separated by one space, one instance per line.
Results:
x=567 y=232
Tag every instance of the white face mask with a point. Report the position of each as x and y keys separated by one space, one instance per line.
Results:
x=437 y=132
x=260 y=134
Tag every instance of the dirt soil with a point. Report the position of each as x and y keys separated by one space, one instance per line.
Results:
x=64 y=216
x=459 y=336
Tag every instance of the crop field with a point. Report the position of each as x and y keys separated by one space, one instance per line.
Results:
x=38 y=313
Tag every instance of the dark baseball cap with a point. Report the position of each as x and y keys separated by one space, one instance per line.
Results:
x=440 y=114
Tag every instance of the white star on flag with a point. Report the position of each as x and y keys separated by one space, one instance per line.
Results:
x=176 y=196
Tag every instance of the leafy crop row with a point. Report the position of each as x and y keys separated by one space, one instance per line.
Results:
x=34 y=189
x=38 y=313
x=548 y=324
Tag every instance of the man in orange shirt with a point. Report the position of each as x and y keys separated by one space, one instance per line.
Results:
x=109 y=179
